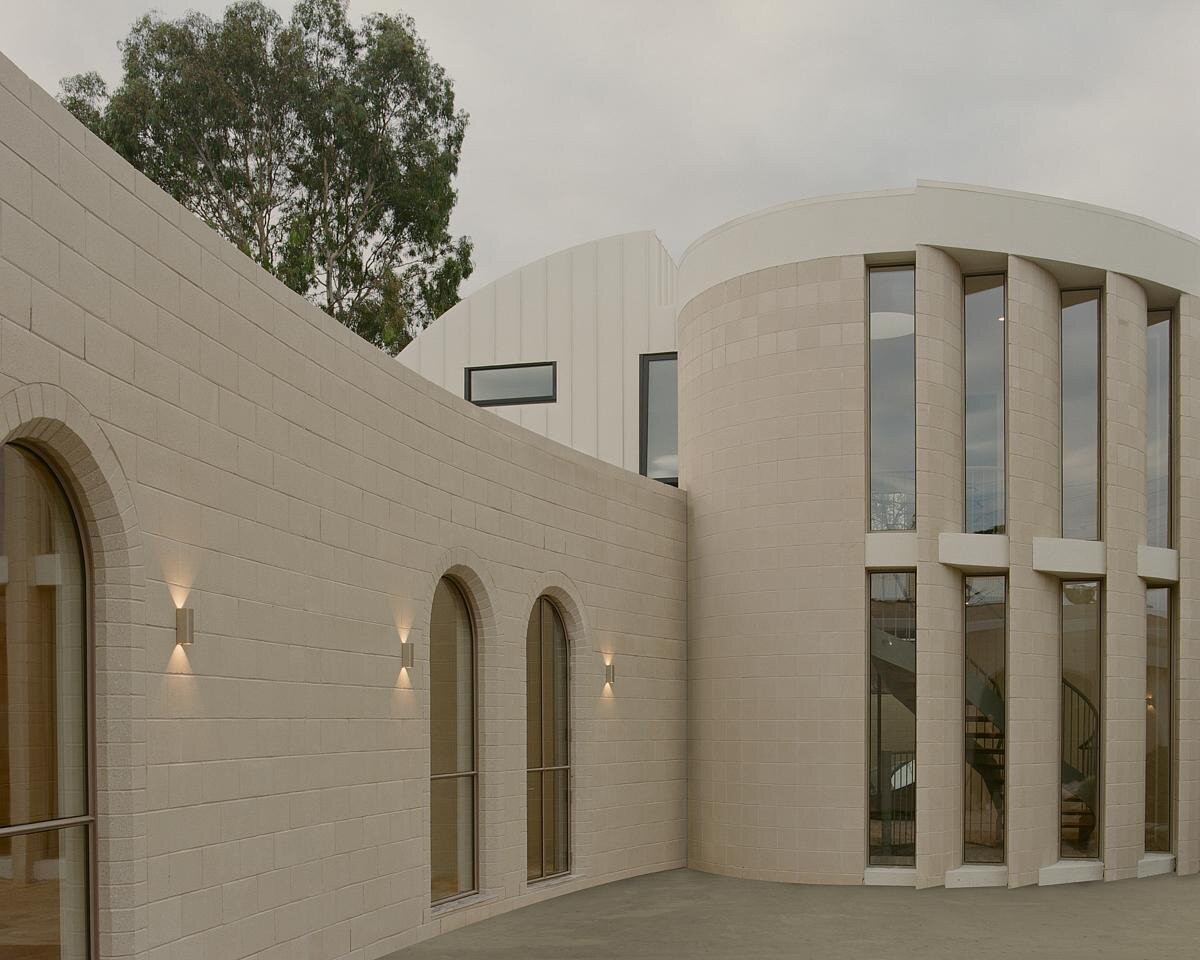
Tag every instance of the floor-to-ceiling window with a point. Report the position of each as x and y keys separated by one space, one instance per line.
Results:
x=1159 y=655
x=985 y=345
x=892 y=746
x=1081 y=732
x=660 y=417
x=893 y=398
x=46 y=813
x=1080 y=345
x=985 y=721
x=1158 y=429
x=452 y=753
x=1159 y=619
x=548 y=771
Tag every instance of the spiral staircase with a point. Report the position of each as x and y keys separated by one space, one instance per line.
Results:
x=984 y=731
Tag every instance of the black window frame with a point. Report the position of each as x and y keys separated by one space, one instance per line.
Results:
x=552 y=397
x=644 y=412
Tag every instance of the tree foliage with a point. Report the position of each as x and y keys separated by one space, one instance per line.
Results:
x=325 y=151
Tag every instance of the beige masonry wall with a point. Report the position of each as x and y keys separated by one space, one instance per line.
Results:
x=264 y=793
x=771 y=368
x=1034 y=510
x=940 y=613
x=1123 y=529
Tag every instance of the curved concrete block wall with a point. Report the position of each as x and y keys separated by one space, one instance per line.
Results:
x=772 y=367
x=771 y=399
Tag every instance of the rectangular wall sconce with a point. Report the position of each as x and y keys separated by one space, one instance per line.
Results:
x=406 y=656
x=185 y=626
x=610 y=674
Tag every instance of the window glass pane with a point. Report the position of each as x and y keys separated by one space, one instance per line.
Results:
x=893 y=399
x=661 y=416
x=1158 y=430
x=554 y=823
x=893 y=719
x=533 y=688
x=499 y=384
x=452 y=836
x=451 y=683
x=1081 y=732
x=554 y=685
x=984 y=403
x=1081 y=414
x=533 y=823
x=43 y=648
x=1158 y=719
x=984 y=720
x=44 y=895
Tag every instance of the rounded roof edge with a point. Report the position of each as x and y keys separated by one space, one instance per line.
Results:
x=952 y=215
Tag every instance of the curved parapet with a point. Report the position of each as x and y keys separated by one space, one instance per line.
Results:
x=948 y=215
x=593 y=310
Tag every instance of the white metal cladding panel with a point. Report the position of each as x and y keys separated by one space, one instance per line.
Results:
x=593 y=309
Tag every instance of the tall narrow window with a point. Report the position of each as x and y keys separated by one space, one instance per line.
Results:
x=984 y=720
x=1081 y=414
x=1159 y=657
x=984 y=403
x=1158 y=429
x=47 y=819
x=548 y=772
x=893 y=721
x=660 y=417
x=893 y=424
x=1079 y=827
x=452 y=756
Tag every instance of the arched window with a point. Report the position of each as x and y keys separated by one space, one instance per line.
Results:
x=548 y=771
x=46 y=813
x=452 y=766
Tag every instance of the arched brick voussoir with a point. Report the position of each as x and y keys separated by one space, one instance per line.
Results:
x=48 y=419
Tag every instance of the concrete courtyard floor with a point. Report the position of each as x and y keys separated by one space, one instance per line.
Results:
x=685 y=914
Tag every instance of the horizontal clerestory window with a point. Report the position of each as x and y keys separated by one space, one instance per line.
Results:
x=512 y=383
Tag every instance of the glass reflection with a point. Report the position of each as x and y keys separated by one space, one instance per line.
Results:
x=451 y=743
x=44 y=739
x=984 y=403
x=893 y=719
x=984 y=719
x=548 y=773
x=1081 y=414
x=1158 y=719
x=44 y=913
x=527 y=383
x=1158 y=429
x=660 y=417
x=893 y=398
x=1081 y=733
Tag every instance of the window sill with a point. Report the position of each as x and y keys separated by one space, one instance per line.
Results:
x=1071 y=871
x=890 y=877
x=465 y=902
x=971 y=875
x=1155 y=864
x=558 y=880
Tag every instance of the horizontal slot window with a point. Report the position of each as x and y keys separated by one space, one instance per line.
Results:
x=512 y=383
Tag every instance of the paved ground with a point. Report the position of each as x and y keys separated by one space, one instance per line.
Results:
x=684 y=914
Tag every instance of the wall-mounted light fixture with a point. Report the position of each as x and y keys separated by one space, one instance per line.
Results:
x=406 y=655
x=610 y=675
x=185 y=623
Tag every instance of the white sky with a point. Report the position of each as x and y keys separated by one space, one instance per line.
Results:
x=597 y=117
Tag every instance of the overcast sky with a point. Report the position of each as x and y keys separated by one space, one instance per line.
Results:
x=593 y=117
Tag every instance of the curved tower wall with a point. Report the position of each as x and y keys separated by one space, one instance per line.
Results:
x=773 y=456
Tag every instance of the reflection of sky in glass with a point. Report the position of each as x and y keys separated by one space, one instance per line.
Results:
x=512 y=383
x=893 y=399
x=662 y=419
x=985 y=344
x=1081 y=414
x=1158 y=430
